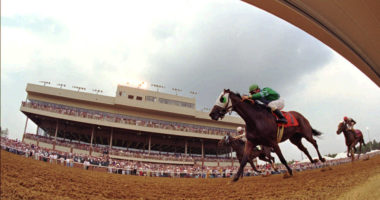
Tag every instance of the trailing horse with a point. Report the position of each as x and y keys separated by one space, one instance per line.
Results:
x=262 y=129
x=352 y=138
x=238 y=146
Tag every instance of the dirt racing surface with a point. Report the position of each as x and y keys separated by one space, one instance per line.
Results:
x=25 y=178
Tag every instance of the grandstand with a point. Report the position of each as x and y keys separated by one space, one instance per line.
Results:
x=136 y=124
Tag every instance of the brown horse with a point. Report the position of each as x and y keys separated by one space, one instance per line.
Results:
x=351 y=139
x=238 y=146
x=261 y=127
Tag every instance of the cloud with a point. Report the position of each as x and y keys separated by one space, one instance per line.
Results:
x=35 y=24
x=233 y=48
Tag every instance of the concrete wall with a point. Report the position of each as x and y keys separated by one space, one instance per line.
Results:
x=80 y=151
x=97 y=154
x=152 y=160
x=62 y=148
x=226 y=164
x=29 y=141
x=45 y=145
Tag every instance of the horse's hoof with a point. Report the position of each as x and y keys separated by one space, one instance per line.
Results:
x=323 y=160
x=315 y=160
x=235 y=179
x=325 y=169
x=287 y=175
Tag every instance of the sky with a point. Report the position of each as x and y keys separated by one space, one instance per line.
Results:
x=203 y=46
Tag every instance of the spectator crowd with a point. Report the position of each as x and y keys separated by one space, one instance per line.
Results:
x=131 y=167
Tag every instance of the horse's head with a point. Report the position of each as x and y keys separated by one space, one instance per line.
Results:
x=222 y=106
x=226 y=140
x=341 y=128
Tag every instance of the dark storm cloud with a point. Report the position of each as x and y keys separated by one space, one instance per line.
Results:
x=233 y=48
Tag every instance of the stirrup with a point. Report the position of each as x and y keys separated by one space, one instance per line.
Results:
x=282 y=121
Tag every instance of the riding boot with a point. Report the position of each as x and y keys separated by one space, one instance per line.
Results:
x=281 y=119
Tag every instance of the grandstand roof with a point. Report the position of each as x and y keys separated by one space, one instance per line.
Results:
x=350 y=27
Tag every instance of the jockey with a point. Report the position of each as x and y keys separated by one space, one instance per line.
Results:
x=350 y=123
x=241 y=133
x=270 y=98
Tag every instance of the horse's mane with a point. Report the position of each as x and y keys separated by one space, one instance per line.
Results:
x=238 y=94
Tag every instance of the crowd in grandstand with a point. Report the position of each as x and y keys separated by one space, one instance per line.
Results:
x=124 y=151
x=130 y=167
x=125 y=119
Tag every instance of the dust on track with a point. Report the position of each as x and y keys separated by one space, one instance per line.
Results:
x=25 y=178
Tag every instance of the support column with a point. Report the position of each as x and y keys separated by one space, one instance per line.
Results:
x=216 y=152
x=56 y=132
x=55 y=135
x=38 y=139
x=92 y=138
x=150 y=143
x=185 y=147
x=203 y=155
x=111 y=138
x=26 y=124
x=203 y=151
x=232 y=159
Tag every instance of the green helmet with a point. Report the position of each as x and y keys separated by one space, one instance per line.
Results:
x=253 y=87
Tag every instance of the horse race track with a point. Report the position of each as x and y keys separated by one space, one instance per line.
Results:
x=25 y=178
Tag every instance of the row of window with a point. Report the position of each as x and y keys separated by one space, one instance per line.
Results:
x=161 y=100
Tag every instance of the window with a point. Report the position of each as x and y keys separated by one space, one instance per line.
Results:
x=138 y=98
x=176 y=103
x=150 y=98
x=130 y=96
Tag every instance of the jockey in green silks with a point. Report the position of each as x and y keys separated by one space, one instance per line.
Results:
x=268 y=97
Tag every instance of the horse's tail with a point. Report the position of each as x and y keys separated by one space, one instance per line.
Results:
x=315 y=132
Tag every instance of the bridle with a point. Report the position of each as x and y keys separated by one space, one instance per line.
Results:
x=342 y=127
x=227 y=108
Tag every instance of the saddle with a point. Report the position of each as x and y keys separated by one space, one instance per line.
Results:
x=292 y=121
x=357 y=133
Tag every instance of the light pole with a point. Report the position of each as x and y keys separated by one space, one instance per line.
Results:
x=79 y=88
x=61 y=85
x=193 y=93
x=45 y=82
x=97 y=91
x=158 y=86
x=176 y=90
